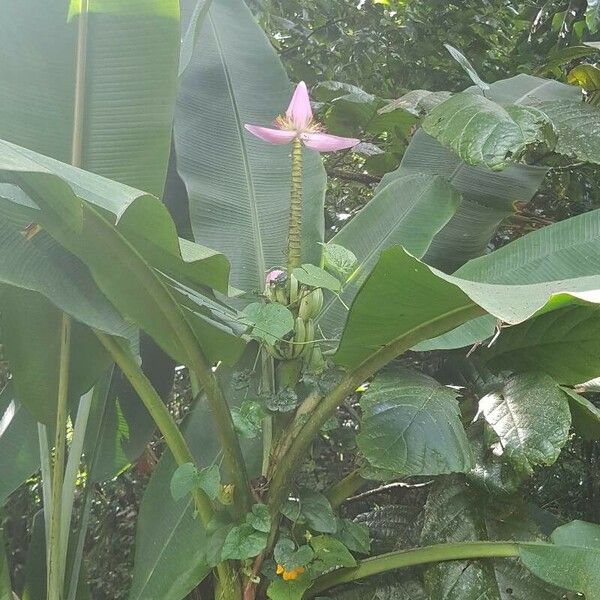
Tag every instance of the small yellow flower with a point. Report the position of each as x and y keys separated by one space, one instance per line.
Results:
x=287 y=575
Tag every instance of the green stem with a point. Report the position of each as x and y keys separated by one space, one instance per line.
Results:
x=159 y=413
x=345 y=488
x=410 y=558
x=323 y=408
x=174 y=440
x=55 y=583
x=295 y=224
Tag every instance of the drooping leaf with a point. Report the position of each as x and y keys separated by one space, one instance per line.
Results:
x=411 y=426
x=563 y=344
x=561 y=250
x=408 y=211
x=434 y=302
x=585 y=76
x=482 y=132
x=235 y=77
x=531 y=417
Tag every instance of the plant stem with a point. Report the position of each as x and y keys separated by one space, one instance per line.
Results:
x=323 y=408
x=159 y=413
x=175 y=441
x=410 y=558
x=295 y=223
x=345 y=488
x=54 y=544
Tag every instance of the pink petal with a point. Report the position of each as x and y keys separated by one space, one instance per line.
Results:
x=299 y=110
x=273 y=136
x=274 y=275
x=323 y=142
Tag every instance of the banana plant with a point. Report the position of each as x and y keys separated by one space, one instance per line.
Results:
x=276 y=327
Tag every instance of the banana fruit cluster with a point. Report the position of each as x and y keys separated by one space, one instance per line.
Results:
x=305 y=302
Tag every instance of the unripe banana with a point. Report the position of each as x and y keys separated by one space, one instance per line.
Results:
x=293 y=289
x=311 y=304
x=309 y=331
x=299 y=338
x=281 y=296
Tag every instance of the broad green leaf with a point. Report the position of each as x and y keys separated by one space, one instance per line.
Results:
x=577 y=125
x=339 y=260
x=138 y=291
x=411 y=426
x=31 y=332
x=316 y=277
x=584 y=415
x=289 y=557
x=18 y=442
x=269 y=322
x=462 y=60
x=242 y=542
x=531 y=417
x=312 y=510
x=526 y=89
x=401 y=586
x=259 y=518
x=563 y=344
x=126 y=94
x=434 y=302
x=355 y=536
x=248 y=418
x=238 y=186
x=170 y=542
x=572 y=562
x=408 y=211
x=487 y=198
x=184 y=480
x=330 y=554
x=482 y=132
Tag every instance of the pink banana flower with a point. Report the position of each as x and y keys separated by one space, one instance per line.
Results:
x=298 y=122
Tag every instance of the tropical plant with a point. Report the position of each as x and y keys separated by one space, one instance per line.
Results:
x=107 y=119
